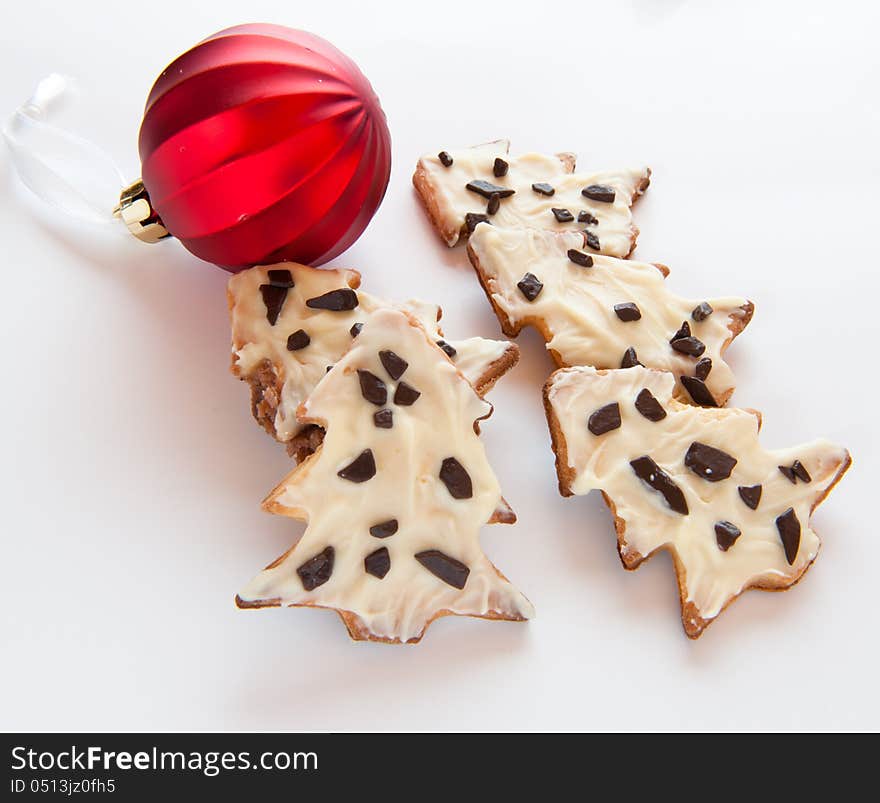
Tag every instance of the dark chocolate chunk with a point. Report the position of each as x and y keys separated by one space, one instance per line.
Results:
x=448 y=569
x=361 y=469
x=372 y=388
x=494 y=204
x=655 y=477
x=340 y=300
x=580 y=258
x=471 y=219
x=751 y=495
x=499 y=168
x=698 y=391
x=355 y=329
x=562 y=215
x=702 y=311
x=604 y=419
x=328 y=369
x=445 y=159
x=726 y=533
x=586 y=217
x=628 y=311
x=592 y=240
x=384 y=529
x=298 y=340
x=801 y=472
x=280 y=278
x=384 y=419
x=487 y=189
x=703 y=367
x=648 y=406
x=599 y=192
x=405 y=395
x=317 y=570
x=789 y=474
x=450 y=350
x=790 y=533
x=543 y=189
x=630 y=359
x=273 y=298
x=530 y=286
x=393 y=364
x=685 y=331
x=691 y=346
x=456 y=479
x=378 y=563
x=708 y=462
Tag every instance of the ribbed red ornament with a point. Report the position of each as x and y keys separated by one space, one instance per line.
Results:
x=263 y=144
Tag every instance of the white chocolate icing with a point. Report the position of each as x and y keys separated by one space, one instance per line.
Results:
x=406 y=487
x=709 y=577
x=254 y=339
x=448 y=186
x=575 y=308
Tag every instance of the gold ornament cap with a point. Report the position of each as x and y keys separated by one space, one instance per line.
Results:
x=138 y=214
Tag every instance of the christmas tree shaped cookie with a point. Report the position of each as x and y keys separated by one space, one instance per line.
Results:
x=290 y=323
x=693 y=481
x=463 y=188
x=607 y=312
x=394 y=496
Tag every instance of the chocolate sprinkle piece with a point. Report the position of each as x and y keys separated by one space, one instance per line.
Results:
x=790 y=533
x=336 y=300
x=530 y=286
x=372 y=388
x=698 y=391
x=355 y=329
x=709 y=463
x=384 y=419
x=450 y=350
x=317 y=570
x=487 y=189
x=691 y=346
x=562 y=215
x=751 y=495
x=448 y=569
x=599 y=192
x=592 y=240
x=361 y=469
x=472 y=219
x=378 y=563
x=685 y=331
x=445 y=159
x=630 y=359
x=384 y=529
x=655 y=477
x=800 y=471
x=281 y=278
x=648 y=406
x=494 y=204
x=702 y=311
x=726 y=533
x=393 y=364
x=328 y=369
x=586 y=217
x=298 y=340
x=628 y=311
x=543 y=189
x=604 y=419
x=789 y=474
x=580 y=258
x=499 y=168
x=405 y=395
x=456 y=479
x=273 y=298
x=702 y=368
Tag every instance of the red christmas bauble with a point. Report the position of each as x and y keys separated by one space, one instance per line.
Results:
x=264 y=144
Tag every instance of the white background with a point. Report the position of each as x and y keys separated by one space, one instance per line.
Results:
x=131 y=473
